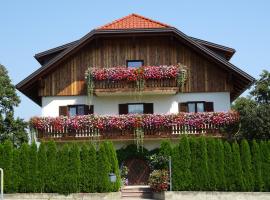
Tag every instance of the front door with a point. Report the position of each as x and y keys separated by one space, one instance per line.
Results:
x=139 y=171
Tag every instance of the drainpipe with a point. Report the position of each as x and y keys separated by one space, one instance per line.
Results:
x=2 y=184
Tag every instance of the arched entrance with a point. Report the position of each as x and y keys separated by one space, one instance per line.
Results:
x=139 y=171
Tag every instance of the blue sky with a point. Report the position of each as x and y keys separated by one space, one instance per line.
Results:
x=30 y=26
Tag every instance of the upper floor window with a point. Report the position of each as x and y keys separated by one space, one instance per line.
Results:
x=73 y=110
x=134 y=63
x=196 y=106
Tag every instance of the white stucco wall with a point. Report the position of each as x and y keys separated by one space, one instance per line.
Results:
x=109 y=104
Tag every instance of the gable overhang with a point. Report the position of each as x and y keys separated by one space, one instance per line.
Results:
x=243 y=80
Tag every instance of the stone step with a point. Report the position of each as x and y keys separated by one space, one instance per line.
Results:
x=136 y=192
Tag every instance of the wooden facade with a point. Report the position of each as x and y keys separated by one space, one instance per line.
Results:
x=68 y=77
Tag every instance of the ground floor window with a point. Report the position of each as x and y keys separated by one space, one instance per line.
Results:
x=196 y=106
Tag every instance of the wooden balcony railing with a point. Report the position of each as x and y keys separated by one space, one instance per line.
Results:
x=160 y=86
x=173 y=131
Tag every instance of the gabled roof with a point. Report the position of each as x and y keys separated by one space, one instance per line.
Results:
x=133 y=21
x=131 y=25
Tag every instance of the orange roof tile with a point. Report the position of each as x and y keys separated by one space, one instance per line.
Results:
x=134 y=21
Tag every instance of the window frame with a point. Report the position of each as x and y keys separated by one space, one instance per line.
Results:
x=127 y=61
x=196 y=102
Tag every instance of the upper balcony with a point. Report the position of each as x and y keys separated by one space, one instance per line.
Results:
x=131 y=126
x=142 y=80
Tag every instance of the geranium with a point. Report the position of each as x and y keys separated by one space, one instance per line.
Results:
x=132 y=121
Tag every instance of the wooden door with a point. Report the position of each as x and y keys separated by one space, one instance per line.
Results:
x=139 y=171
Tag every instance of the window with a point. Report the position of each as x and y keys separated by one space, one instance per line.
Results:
x=136 y=108
x=73 y=110
x=134 y=63
x=196 y=106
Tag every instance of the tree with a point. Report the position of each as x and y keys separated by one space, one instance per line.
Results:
x=237 y=178
x=6 y=164
x=248 y=179
x=181 y=162
x=88 y=175
x=261 y=90
x=42 y=168
x=165 y=148
x=51 y=180
x=74 y=168
x=265 y=158
x=219 y=149
x=10 y=128
x=24 y=173
x=211 y=153
x=228 y=170
x=104 y=170
x=257 y=166
x=16 y=169
x=33 y=173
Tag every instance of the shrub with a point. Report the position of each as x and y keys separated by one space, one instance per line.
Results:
x=182 y=165
x=219 y=151
x=63 y=184
x=24 y=173
x=257 y=166
x=42 y=168
x=248 y=179
x=7 y=164
x=237 y=178
x=104 y=170
x=211 y=153
x=159 y=180
x=228 y=170
x=265 y=157
x=88 y=175
x=165 y=148
x=74 y=168
x=16 y=169
x=33 y=168
x=51 y=180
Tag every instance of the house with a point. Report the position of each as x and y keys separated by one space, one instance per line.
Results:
x=202 y=80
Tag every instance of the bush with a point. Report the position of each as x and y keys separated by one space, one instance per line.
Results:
x=33 y=168
x=181 y=162
x=248 y=179
x=159 y=180
x=265 y=158
x=24 y=173
x=51 y=180
x=211 y=153
x=165 y=148
x=42 y=168
x=88 y=175
x=257 y=166
x=237 y=178
x=228 y=170
x=74 y=168
x=219 y=151
x=7 y=164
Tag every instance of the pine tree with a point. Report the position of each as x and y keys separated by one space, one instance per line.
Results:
x=211 y=153
x=248 y=179
x=219 y=149
x=74 y=168
x=265 y=157
x=51 y=175
x=236 y=165
x=42 y=168
x=7 y=155
x=184 y=177
x=228 y=170
x=165 y=148
x=257 y=166
x=104 y=170
x=16 y=171
x=88 y=175
x=33 y=168
x=24 y=173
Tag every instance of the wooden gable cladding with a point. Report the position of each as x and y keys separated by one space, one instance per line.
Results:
x=68 y=78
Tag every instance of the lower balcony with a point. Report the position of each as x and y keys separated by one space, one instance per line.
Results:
x=130 y=127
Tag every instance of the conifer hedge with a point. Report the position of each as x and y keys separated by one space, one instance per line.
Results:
x=209 y=164
x=70 y=168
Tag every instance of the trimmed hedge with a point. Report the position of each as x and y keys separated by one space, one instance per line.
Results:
x=59 y=169
x=209 y=164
